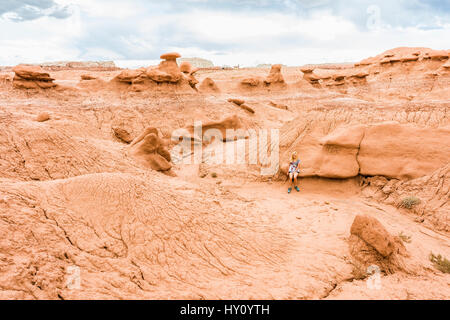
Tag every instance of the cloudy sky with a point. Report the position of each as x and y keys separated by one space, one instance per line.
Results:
x=228 y=32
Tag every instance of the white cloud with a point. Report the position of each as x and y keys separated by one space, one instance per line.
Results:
x=132 y=30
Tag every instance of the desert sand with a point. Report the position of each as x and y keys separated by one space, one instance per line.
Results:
x=95 y=202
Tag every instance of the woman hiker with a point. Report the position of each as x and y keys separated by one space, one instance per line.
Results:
x=294 y=170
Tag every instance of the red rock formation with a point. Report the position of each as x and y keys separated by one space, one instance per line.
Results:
x=208 y=85
x=32 y=77
x=371 y=244
x=167 y=71
x=149 y=150
x=43 y=116
x=251 y=82
x=87 y=77
x=185 y=67
x=275 y=76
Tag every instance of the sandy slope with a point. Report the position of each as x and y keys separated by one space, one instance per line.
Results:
x=72 y=194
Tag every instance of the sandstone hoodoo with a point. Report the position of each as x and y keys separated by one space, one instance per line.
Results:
x=32 y=77
x=208 y=85
x=167 y=71
x=275 y=76
x=185 y=67
x=308 y=75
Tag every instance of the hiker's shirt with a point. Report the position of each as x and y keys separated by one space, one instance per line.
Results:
x=294 y=166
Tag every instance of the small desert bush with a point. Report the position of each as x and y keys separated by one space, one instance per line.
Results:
x=404 y=237
x=214 y=175
x=409 y=202
x=440 y=263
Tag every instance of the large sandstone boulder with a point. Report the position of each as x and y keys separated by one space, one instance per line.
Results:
x=372 y=246
x=373 y=233
x=32 y=77
x=32 y=73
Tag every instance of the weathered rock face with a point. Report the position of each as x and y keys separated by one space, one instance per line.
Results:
x=388 y=149
x=425 y=70
x=149 y=150
x=275 y=76
x=32 y=77
x=403 y=152
x=233 y=122
x=432 y=190
x=337 y=158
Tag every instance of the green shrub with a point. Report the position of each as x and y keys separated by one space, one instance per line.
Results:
x=404 y=237
x=214 y=175
x=440 y=263
x=409 y=202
